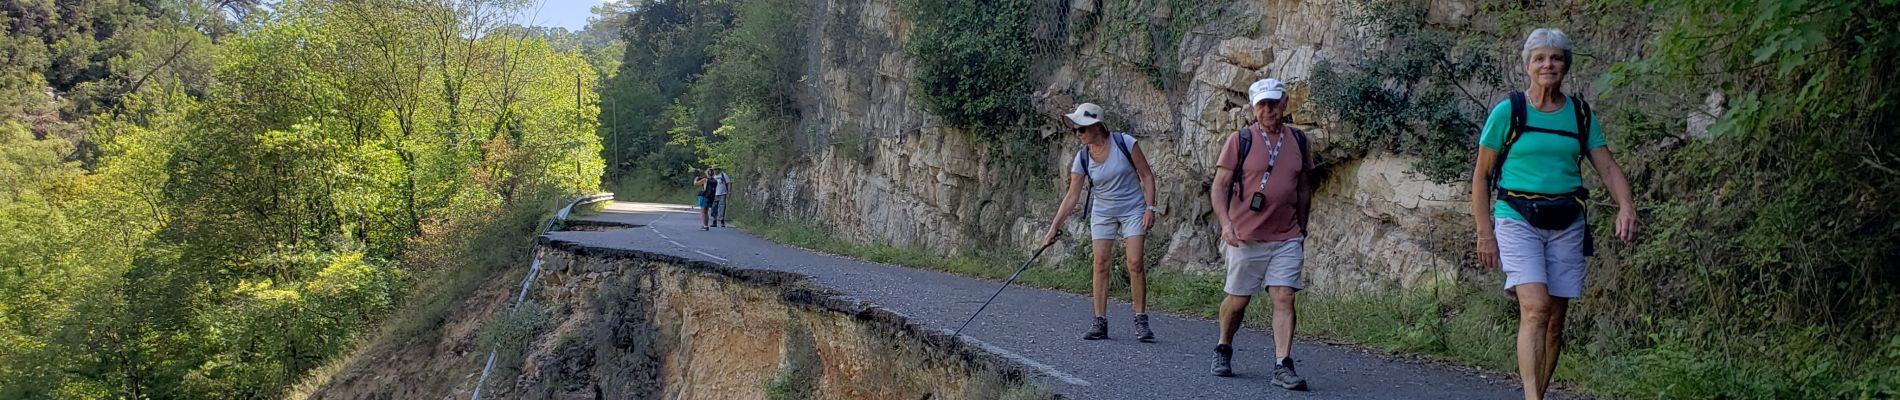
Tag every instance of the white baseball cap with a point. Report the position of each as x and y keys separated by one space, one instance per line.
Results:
x=1265 y=89
x=1086 y=114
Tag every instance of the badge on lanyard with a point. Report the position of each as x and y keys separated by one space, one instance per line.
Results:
x=1273 y=154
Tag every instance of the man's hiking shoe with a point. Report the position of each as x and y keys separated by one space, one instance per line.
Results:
x=1223 y=360
x=1100 y=331
x=1284 y=377
x=1142 y=332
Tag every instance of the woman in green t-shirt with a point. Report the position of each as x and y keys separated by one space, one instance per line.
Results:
x=1527 y=201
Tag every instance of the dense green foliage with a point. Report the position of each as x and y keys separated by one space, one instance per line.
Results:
x=1780 y=229
x=706 y=82
x=207 y=203
x=1767 y=267
x=666 y=46
x=973 y=60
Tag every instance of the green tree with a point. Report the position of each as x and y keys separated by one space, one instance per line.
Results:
x=197 y=218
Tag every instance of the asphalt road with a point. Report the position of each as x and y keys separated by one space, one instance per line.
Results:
x=1042 y=329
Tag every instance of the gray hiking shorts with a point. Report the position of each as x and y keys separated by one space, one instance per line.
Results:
x=1264 y=264
x=1551 y=257
x=1115 y=228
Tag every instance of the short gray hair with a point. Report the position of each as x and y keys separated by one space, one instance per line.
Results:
x=1546 y=37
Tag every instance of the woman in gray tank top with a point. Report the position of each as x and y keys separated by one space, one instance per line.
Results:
x=1110 y=178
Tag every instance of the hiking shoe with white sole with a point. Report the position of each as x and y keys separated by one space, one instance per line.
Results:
x=1284 y=377
x=1142 y=332
x=1099 y=331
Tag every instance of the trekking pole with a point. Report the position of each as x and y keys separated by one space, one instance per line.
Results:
x=1012 y=278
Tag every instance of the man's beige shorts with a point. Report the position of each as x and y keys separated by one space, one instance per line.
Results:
x=1255 y=265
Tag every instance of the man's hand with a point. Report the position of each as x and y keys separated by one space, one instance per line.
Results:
x=1227 y=236
x=1147 y=220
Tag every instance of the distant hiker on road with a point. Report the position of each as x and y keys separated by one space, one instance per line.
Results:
x=706 y=192
x=1120 y=205
x=720 y=183
x=1527 y=199
x=1261 y=195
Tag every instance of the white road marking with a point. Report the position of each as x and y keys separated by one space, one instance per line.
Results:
x=655 y=226
x=710 y=255
x=1045 y=368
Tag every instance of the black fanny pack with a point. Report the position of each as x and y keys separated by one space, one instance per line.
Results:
x=1547 y=211
x=1552 y=211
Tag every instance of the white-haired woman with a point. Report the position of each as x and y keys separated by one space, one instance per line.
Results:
x=1527 y=201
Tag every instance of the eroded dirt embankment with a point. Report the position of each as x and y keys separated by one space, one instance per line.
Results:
x=623 y=324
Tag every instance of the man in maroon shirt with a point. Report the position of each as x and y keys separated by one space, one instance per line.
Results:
x=1262 y=202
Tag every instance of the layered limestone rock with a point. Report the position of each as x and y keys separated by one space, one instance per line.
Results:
x=916 y=182
x=1375 y=228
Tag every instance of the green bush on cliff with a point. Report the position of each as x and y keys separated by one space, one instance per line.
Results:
x=1415 y=94
x=972 y=60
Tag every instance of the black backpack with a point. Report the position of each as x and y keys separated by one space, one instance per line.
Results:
x=1088 y=206
x=1553 y=211
x=1518 y=127
x=710 y=188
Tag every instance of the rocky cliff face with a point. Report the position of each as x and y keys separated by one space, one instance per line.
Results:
x=917 y=182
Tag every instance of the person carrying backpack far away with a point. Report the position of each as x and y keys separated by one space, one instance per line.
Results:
x=1262 y=195
x=1119 y=205
x=1527 y=199
x=706 y=189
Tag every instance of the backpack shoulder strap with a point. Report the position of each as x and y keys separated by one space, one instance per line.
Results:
x=1088 y=203
x=1117 y=137
x=1584 y=116
x=1245 y=137
x=1518 y=117
x=1083 y=157
x=1510 y=137
x=1306 y=152
x=1306 y=158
